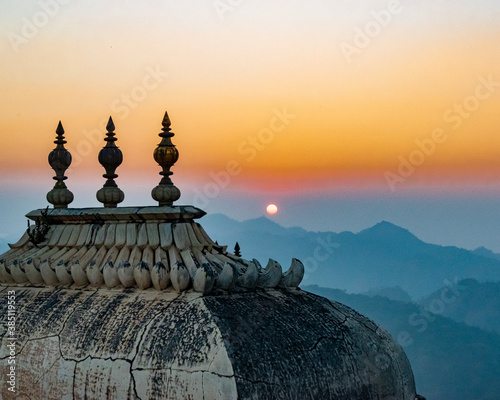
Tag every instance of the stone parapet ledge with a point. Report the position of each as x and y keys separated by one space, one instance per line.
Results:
x=129 y=214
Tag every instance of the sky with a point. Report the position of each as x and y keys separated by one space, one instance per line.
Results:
x=343 y=113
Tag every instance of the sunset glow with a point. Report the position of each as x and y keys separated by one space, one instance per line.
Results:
x=359 y=114
x=282 y=97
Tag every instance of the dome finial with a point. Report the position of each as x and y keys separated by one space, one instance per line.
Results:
x=60 y=133
x=166 y=121
x=110 y=157
x=60 y=160
x=166 y=155
x=237 y=249
x=110 y=127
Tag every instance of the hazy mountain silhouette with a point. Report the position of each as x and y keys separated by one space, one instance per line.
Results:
x=391 y=293
x=482 y=251
x=478 y=304
x=390 y=232
x=382 y=256
x=450 y=360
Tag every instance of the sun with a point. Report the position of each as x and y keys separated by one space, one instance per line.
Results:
x=272 y=209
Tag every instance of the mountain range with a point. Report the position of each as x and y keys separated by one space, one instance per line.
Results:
x=450 y=359
x=384 y=255
x=477 y=304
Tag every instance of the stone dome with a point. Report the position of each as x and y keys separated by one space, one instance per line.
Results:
x=148 y=344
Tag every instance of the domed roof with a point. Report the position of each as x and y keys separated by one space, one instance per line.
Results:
x=139 y=302
x=149 y=344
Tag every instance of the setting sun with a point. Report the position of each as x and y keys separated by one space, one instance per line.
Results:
x=272 y=209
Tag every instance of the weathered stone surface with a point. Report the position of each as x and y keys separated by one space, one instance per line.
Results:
x=149 y=344
x=276 y=339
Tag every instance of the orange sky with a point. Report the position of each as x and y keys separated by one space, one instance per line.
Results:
x=228 y=78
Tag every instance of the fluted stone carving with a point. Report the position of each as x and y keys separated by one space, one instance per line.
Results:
x=153 y=249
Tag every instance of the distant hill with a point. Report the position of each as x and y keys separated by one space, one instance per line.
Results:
x=475 y=303
x=392 y=293
x=382 y=256
x=484 y=252
x=450 y=360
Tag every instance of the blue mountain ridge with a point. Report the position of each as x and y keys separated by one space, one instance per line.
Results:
x=450 y=360
x=384 y=255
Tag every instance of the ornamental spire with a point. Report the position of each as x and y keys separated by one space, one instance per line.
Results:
x=110 y=157
x=60 y=160
x=166 y=155
x=237 y=249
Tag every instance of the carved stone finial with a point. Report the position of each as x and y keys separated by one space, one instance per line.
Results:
x=166 y=155
x=60 y=160
x=110 y=157
x=237 y=249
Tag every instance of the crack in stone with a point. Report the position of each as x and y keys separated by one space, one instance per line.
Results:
x=182 y=312
x=140 y=341
x=32 y=340
x=215 y=356
x=74 y=381
x=203 y=385
x=150 y=322
x=188 y=371
x=132 y=381
x=89 y=357
x=222 y=348
x=215 y=321
x=66 y=321
x=320 y=340
x=74 y=310
x=56 y=360
x=184 y=371
x=112 y=359
x=354 y=316
x=47 y=370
